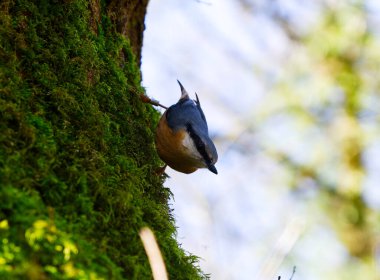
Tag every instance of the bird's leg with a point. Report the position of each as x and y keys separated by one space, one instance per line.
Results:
x=160 y=171
x=146 y=99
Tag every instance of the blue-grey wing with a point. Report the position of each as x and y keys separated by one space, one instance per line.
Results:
x=186 y=112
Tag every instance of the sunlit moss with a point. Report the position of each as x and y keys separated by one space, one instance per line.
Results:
x=4 y=224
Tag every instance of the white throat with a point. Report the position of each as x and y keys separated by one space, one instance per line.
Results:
x=190 y=147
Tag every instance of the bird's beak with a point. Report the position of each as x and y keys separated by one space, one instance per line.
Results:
x=212 y=169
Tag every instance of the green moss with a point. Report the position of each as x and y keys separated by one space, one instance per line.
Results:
x=77 y=155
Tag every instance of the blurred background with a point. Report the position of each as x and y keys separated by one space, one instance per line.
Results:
x=290 y=90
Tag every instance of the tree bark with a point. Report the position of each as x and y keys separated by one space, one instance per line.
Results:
x=129 y=16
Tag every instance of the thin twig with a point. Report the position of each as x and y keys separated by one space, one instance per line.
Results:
x=145 y=98
x=291 y=277
x=154 y=102
x=283 y=246
x=294 y=271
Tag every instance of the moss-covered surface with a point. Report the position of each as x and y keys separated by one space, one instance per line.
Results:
x=77 y=157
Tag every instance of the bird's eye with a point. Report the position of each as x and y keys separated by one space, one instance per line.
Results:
x=211 y=159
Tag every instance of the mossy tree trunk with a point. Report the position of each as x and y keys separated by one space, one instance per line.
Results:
x=77 y=156
x=128 y=17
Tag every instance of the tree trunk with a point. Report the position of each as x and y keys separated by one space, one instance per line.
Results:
x=77 y=156
x=128 y=16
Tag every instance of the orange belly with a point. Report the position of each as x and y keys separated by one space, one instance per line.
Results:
x=171 y=150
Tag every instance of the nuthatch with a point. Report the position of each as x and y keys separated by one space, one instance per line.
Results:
x=182 y=139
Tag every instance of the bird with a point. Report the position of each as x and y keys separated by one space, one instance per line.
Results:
x=182 y=139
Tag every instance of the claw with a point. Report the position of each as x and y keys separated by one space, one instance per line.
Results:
x=160 y=171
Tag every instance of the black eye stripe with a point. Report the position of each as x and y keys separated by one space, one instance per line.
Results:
x=198 y=143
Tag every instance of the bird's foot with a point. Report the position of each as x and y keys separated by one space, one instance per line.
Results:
x=160 y=171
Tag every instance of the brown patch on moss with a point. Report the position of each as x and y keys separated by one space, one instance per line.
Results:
x=94 y=6
x=128 y=16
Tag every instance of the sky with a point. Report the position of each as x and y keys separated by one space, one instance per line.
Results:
x=245 y=222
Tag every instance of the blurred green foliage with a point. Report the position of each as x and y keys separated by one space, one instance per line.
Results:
x=328 y=94
x=77 y=157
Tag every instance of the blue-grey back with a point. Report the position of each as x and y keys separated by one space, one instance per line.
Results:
x=186 y=112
